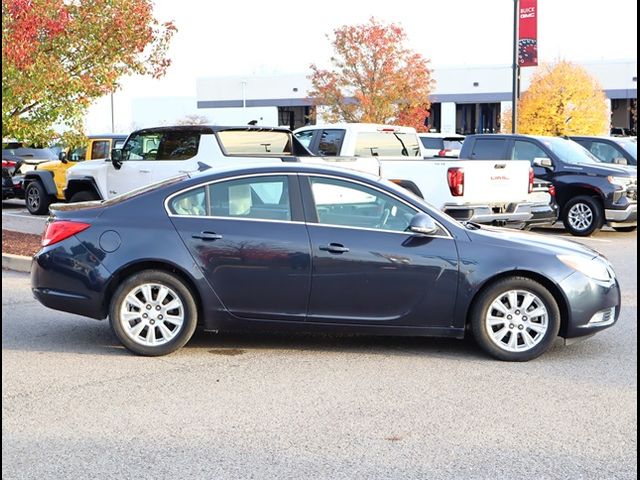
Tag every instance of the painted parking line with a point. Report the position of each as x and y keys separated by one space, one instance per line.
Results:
x=22 y=215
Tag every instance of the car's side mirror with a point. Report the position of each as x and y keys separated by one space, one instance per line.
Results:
x=620 y=161
x=62 y=156
x=543 y=162
x=116 y=158
x=422 y=224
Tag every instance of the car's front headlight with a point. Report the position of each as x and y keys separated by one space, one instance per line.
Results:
x=620 y=181
x=594 y=268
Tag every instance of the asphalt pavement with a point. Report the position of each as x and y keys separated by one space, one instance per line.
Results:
x=76 y=405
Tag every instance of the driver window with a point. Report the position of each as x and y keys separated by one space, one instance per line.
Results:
x=343 y=203
x=142 y=147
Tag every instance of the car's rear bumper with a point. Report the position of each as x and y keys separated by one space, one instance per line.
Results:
x=513 y=213
x=68 y=277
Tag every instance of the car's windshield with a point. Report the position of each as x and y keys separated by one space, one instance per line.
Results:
x=569 y=151
x=630 y=146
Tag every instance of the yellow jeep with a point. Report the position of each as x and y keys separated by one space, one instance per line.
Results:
x=45 y=184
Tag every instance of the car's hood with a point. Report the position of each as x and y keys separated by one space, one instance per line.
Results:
x=533 y=242
x=84 y=168
x=605 y=169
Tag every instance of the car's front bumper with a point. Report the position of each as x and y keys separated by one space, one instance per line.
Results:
x=622 y=218
x=592 y=305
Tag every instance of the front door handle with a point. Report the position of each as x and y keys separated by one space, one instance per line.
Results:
x=144 y=170
x=334 y=248
x=207 y=236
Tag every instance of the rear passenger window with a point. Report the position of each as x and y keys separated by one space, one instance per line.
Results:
x=432 y=143
x=488 y=149
x=330 y=143
x=262 y=198
x=100 y=149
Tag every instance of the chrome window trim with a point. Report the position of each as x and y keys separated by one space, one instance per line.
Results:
x=295 y=222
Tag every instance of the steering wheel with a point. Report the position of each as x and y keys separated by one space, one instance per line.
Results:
x=151 y=154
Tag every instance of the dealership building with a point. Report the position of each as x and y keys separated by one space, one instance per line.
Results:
x=466 y=99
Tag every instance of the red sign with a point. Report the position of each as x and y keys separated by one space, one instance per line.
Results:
x=528 y=33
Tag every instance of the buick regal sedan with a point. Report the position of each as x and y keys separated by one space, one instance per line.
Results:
x=313 y=248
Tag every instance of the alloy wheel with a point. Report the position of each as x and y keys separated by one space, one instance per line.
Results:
x=517 y=320
x=580 y=216
x=33 y=198
x=152 y=314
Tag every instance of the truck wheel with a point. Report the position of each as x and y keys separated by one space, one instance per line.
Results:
x=37 y=199
x=583 y=216
x=84 y=196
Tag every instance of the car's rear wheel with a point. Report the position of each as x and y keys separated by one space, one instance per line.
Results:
x=84 y=196
x=36 y=198
x=583 y=216
x=153 y=313
x=515 y=319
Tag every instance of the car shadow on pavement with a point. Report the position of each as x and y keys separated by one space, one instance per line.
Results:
x=91 y=338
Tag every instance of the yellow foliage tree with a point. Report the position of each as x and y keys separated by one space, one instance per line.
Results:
x=563 y=99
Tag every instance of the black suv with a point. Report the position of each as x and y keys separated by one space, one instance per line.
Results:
x=617 y=150
x=589 y=192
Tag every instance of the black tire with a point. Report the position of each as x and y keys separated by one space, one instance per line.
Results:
x=625 y=229
x=592 y=220
x=37 y=199
x=84 y=196
x=496 y=347
x=134 y=340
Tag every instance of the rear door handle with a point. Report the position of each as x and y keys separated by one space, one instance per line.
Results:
x=207 y=236
x=334 y=248
x=142 y=170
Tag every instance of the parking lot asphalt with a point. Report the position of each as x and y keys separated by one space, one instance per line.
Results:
x=76 y=405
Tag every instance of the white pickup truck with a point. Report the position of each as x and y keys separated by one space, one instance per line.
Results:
x=154 y=154
x=494 y=192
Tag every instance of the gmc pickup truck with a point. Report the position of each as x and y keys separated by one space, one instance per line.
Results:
x=590 y=193
x=154 y=154
x=490 y=192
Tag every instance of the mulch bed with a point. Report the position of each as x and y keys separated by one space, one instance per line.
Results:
x=20 y=243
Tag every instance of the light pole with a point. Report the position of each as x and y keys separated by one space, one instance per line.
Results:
x=113 y=122
x=516 y=67
x=244 y=93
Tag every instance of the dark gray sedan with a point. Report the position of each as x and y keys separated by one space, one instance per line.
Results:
x=309 y=248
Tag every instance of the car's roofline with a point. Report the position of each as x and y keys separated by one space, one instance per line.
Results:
x=209 y=129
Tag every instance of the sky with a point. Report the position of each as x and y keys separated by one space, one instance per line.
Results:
x=258 y=37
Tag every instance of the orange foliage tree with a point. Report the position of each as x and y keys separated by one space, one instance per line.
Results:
x=59 y=55
x=563 y=99
x=374 y=78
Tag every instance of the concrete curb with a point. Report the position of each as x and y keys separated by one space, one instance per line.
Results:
x=19 y=263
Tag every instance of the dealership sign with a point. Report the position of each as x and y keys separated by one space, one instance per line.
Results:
x=528 y=33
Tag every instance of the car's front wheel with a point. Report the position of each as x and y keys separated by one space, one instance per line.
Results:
x=583 y=216
x=84 y=196
x=36 y=198
x=515 y=319
x=153 y=313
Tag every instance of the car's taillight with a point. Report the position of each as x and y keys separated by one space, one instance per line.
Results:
x=57 y=231
x=455 y=177
x=8 y=164
x=552 y=190
x=530 y=179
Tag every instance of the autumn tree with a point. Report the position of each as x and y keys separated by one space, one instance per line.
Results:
x=374 y=77
x=59 y=55
x=563 y=99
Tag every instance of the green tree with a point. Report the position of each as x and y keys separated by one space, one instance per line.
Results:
x=375 y=77
x=58 y=56
x=563 y=99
